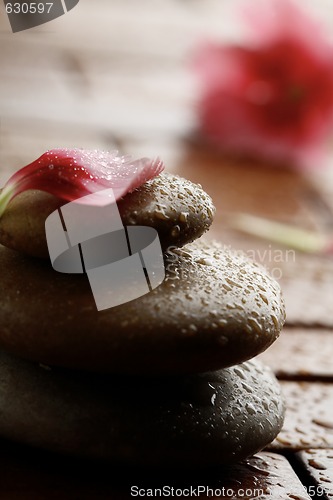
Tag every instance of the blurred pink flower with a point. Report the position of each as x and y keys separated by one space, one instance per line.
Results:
x=73 y=173
x=272 y=97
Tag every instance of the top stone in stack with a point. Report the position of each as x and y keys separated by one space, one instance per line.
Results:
x=215 y=309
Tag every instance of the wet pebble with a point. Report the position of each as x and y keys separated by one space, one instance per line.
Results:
x=180 y=210
x=192 y=322
x=183 y=421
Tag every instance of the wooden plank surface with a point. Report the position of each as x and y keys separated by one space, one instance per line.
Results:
x=301 y=354
x=319 y=465
x=116 y=74
x=266 y=476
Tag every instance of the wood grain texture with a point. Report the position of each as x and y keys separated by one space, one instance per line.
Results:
x=319 y=465
x=265 y=476
x=308 y=422
x=303 y=354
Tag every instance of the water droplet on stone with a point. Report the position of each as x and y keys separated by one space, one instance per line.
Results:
x=175 y=231
x=183 y=217
x=202 y=393
x=222 y=340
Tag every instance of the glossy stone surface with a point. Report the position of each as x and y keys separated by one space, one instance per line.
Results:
x=207 y=419
x=214 y=309
x=180 y=210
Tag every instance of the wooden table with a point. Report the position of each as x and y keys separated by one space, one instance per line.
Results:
x=115 y=74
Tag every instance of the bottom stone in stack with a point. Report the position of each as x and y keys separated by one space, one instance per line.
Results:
x=206 y=419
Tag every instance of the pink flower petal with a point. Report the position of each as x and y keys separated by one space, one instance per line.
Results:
x=73 y=173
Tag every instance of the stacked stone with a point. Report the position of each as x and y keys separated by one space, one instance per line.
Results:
x=163 y=379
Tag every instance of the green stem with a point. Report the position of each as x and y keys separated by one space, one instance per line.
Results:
x=299 y=239
x=5 y=197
